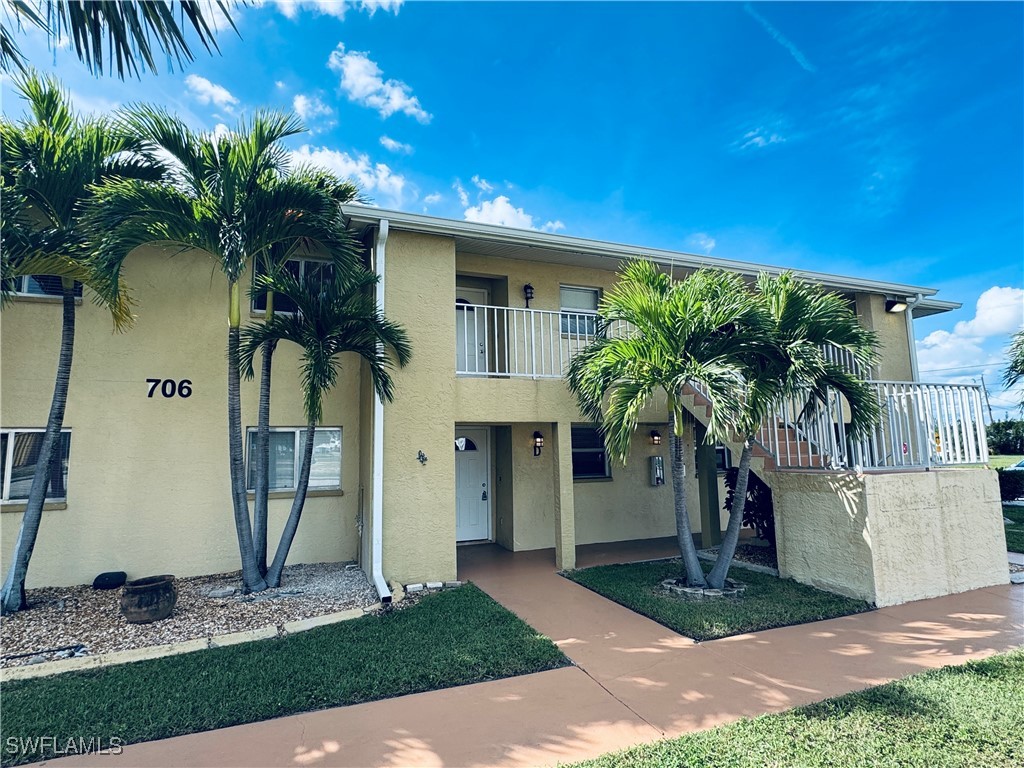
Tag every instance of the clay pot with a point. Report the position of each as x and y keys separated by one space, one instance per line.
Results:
x=144 y=601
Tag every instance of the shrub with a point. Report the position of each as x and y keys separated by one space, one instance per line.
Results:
x=1006 y=437
x=1011 y=485
x=759 y=510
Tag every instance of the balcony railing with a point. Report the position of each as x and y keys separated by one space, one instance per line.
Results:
x=922 y=425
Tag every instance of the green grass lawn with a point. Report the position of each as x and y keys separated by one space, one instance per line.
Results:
x=970 y=716
x=452 y=638
x=768 y=602
x=1015 y=532
x=1000 y=462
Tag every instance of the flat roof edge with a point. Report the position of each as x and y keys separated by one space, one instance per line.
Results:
x=534 y=239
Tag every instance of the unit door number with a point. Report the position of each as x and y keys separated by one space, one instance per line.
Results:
x=170 y=387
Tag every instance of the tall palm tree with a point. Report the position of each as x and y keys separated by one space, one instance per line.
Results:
x=342 y=191
x=803 y=320
x=1014 y=372
x=50 y=160
x=233 y=197
x=122 y=31
x=331 y=317
x=692 y=332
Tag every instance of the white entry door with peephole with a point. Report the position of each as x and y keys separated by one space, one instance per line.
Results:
x=472 y=485
x=470 y=331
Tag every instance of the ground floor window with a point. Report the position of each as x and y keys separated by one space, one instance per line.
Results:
x=589 y=457
x=19 y=450
x=38 y=285
x=286 y=458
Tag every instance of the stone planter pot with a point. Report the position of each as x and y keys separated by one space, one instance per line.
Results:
x=144 y=601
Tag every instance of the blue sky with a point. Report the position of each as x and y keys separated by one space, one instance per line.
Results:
x=878 y=140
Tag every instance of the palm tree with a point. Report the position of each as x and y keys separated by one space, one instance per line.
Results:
x=50 y=161
x=804 y=320
x=123 y=32
x=233 y=197
x=692 y=332
x=1015 y=364
x=331 y=317
x=341 y=191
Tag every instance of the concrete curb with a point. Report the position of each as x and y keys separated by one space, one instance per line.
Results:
x=740 y=564
x=101 y=660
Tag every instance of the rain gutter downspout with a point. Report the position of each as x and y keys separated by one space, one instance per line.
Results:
x=377 y=542
x=915 y=374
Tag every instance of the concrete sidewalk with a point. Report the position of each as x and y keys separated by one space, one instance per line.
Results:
x=635 y=681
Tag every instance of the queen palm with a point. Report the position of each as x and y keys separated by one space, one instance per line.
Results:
x=49 y=162
x=330 y=317
x=694 y=332
x=804 y=319
x=233 y=197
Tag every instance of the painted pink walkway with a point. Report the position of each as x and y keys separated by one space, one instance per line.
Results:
x=634 y=681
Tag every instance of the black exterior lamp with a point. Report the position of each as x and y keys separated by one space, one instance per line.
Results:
x=655 y=437
x=528 y=294
x=538 y=443
x=895 y=305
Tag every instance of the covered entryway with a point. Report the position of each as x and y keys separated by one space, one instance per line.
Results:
x=472 y=484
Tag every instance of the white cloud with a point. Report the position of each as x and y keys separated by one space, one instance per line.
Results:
x=92 y=105
x=781 y=39
x=388 y=187
x=999 y=310
x=279 y=84
x=335 y=8
x=553 y=226
x=310 y=107
x=702 y=242
x=499 y=211
x=433 y=197
x=482 y=184
x=206 y=92
x=461 y=192
x=363 y=82
x=395 y=146
x=759 y=137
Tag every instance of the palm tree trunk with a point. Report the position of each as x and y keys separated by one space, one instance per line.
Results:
x=684 y=534
x=292 y=524
x=727 y=548
x=252 y=580
x=262 y=489
x=12 y=597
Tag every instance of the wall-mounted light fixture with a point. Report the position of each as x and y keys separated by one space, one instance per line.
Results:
x=655 y=437
x=538 y=443
x=895 y=305
x=421 y=457
x=528 y=294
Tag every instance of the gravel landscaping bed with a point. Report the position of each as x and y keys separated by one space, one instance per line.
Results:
x=59 y=617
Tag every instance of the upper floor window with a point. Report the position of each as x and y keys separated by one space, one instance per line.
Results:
x=589 y=457
x=19 y=451
x=579 y=310
x=286 y=457
x=39 y=285
x=307 y=271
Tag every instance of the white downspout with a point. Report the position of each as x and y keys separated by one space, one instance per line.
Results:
x=377 y=543
x=915 y=374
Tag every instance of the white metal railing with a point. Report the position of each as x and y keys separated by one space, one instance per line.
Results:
x=921 y=425
x=530 y=343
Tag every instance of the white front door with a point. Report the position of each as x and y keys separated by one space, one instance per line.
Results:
x=470 y=331
x=472 y=485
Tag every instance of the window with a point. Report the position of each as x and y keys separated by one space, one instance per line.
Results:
x=19 y=449
x=286 y=458
x=39 y=285
x=304 y=270
x=723 y=458
x=589 y=458
x=579 y=310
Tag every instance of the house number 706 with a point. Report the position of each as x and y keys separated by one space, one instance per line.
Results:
x=170 y=387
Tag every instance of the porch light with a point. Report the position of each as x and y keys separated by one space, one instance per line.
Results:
x=538 y=443
x=528 y=294
x=655 y=437
x=895 y=305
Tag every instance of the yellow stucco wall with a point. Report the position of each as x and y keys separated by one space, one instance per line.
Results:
x=894 y=343
x=148 y=488
x=890 y=538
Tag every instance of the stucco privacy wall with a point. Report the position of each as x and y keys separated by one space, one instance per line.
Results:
x=894 y=342
x=419 y=499
x=148 y=485
x=893 y=537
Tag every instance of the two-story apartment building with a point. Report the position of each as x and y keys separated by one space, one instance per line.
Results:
x=483 y=441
